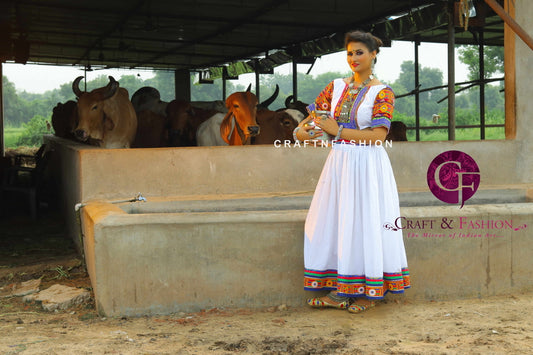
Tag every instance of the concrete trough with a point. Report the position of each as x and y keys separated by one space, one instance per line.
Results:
x=171 y=255
x=223 y=226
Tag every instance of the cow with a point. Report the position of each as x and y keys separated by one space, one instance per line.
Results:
x=151 y=130
x=105 y=116
x=242 y=109
x=148 y=98
x=275 y=126
x=183 y=122
x=64 y=118
x=206 y=134
x=217 y=105
x=397 y=132
x=290 y=103
x=296 y=114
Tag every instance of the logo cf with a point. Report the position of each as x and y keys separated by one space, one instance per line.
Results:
x=453 y=177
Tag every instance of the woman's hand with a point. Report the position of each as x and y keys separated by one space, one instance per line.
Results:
x=328 y=124
x=305 y=127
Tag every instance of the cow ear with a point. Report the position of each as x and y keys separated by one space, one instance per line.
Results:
x=225 y=127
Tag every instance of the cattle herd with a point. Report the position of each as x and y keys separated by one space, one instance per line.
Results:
x=107 y=118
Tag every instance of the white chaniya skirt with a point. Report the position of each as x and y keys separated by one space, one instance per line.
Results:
x=348 y=245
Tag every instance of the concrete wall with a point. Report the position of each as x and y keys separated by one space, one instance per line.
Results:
x=524 y=103
x=122 y=173
x=169 y=262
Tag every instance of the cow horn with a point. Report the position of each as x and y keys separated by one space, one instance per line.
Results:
x=249 y=88
x=111 y=88
x=76 y=86
x=271 y=99
x=288 y=100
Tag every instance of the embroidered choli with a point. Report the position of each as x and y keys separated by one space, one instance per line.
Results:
x=372 y=106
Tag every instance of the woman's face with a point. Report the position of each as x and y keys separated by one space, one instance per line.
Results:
x=359 y=57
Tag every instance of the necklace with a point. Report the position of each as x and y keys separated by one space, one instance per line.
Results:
x=346 y=108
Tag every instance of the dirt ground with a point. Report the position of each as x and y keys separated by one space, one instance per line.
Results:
x=35 y=249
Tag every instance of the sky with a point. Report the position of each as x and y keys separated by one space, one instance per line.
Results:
x=41 y=78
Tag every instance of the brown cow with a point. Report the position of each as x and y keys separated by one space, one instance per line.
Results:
x=397 y=132
x=105 y=116
x=151 y=130
x=243 y=107
x=275 y=126
x=183 y=122
x=64 y=119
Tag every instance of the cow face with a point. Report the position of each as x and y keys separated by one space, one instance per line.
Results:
x=93 y=120
x=242 y=106
x=275 y=126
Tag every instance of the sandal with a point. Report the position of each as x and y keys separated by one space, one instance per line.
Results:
x=358 y=308
x=322 y=302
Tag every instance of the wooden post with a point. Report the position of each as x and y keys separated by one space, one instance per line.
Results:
x=182 y=84
x=417 y=94
x=2 y=147
x=509 y=41
x=451 y=72
x=294 y=79
x=482 y=85
x=508 y=18
x=257 y=90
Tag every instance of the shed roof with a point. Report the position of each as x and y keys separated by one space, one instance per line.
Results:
x=211 y=34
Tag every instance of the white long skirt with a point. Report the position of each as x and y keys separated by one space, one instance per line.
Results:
x=348 y=247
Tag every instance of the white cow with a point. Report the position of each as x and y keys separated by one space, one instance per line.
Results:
x=208 y=133
x=148 y=98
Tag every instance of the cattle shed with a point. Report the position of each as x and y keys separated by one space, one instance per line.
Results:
x=220 y=39
x=212 y=212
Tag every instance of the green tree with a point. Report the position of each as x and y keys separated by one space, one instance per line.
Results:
x=429 y=77
x=469 y=55
x=15 y=111
x=32 y=135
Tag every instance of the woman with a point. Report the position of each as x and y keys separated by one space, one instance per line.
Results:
x=347 y=248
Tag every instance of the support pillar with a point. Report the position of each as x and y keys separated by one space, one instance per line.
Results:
x=182 y=84
x=417 y=93
x=509 y=40
x=257 y=82
x=451 y=72
x=224 y=88
x=482 y=85
x=2 y=147
x=294 y=79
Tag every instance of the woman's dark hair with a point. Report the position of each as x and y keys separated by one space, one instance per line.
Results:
x=370 y=41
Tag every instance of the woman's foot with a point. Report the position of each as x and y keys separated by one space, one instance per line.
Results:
x=330 y=300
x=361 y=306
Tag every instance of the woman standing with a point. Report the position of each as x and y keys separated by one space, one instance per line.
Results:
x=347 y=248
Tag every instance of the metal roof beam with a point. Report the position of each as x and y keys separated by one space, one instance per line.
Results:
x=225 y=29
x=117 y=26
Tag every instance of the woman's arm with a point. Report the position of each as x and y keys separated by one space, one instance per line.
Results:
x=366 y=136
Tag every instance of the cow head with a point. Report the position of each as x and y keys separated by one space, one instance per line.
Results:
x=291 y=103
x=94 y=117
x=242 y=106
x=64 y=118
x=275 y=126
x=148 y=98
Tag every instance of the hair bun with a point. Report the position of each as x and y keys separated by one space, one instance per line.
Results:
x=379 y=42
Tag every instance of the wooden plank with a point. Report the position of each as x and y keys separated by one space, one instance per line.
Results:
x=510 y=74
